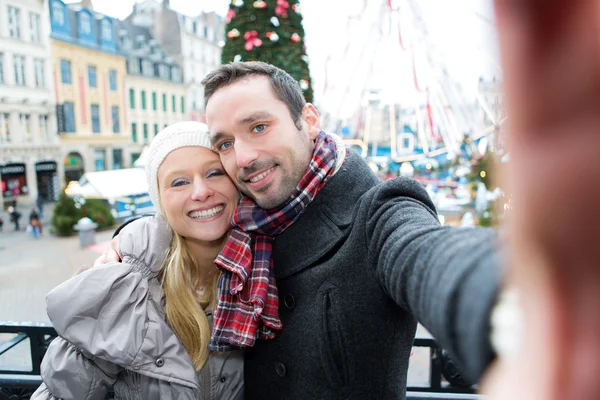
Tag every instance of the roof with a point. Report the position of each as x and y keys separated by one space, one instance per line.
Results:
x=113 y=184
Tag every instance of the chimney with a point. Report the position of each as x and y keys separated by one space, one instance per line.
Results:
x=166 y=4
x=87 y=4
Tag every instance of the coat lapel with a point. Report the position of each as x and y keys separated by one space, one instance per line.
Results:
x=326 y=220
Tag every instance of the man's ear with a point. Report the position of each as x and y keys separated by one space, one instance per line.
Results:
x=310 y=115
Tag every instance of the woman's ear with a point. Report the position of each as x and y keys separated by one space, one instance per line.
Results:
x=310 y=115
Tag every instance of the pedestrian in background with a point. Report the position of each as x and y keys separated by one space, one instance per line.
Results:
x=15 y=216
x=35 y=223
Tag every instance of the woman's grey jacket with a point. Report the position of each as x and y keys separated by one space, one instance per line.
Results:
x=113 y=333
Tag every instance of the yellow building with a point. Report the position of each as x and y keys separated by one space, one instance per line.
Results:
x=89 y=76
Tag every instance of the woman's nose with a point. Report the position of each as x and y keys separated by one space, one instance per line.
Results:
x=201 y=190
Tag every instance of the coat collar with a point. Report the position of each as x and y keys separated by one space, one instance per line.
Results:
x=325 y=221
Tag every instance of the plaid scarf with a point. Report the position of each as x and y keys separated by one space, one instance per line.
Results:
x=247 y=300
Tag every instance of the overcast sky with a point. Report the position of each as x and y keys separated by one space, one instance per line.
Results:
x=460 y=35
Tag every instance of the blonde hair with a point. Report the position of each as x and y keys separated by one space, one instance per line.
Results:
x=180 y=278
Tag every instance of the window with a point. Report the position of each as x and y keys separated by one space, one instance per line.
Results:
x=92 y=76
x=115 y=119
x=145 y=133
x=176 y=74
x=25 y=128
x=85 y=23
x=1 y=67
x=164 y=96
x=163 y=71
x=143 y=99
x=95 y=118
x=99 y=157
x=132 y=99
x=4 y=128
x=58 y=13
x=106 y=30
x=132 y=66
x=44 y=126
x=69 y=116
x=406 y=143
x=65 y=71
x=34 y=27
x=112 y=79
x=182 y=104
x=117 y=159
x=147 y=68
x=19 y=62
x=174 y=103
x=40 y=73
x=194 y=27
x=14 y=22
x=155 y=130
x=154 y=101
x=134 y=132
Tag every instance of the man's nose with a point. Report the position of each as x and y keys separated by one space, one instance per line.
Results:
x=201 y=191
x=245 y=154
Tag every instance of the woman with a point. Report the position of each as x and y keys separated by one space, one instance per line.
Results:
x=141 y=331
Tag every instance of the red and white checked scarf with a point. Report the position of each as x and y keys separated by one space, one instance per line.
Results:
x=247 y=302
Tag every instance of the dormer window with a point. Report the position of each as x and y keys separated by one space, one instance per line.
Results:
x=58 y=13
x=85 y=23
x=106 y=30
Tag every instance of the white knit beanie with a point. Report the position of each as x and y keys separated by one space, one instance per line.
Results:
x=175 y=136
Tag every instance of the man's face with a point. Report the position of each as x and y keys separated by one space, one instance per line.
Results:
x=260 y=147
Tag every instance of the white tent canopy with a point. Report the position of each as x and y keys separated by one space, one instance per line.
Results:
x=113 y=184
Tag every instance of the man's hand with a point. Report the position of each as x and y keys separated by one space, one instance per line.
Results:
x=551 y=58
x=111 y=254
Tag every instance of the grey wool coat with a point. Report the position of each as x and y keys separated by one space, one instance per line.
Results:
x=355 y=273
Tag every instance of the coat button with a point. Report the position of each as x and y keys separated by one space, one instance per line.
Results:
x=280 y=369
x=159 y=362
x=289 y=301
x=223 y=379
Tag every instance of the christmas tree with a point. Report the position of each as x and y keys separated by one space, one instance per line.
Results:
x=270 y=31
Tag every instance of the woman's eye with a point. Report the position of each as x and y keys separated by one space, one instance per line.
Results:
x=178 y=182
x=215 y=172
x=259 y=128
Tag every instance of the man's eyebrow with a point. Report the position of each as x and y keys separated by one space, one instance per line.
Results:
x=250 y=119
x=254 y=117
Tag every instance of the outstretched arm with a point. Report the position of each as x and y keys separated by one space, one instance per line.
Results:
x=446 y=277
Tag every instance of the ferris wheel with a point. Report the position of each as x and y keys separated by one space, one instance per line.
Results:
x=395 y=33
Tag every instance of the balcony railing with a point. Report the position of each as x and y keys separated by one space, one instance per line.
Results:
x=19 y=382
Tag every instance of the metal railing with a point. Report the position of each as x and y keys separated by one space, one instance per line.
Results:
x=19 y=383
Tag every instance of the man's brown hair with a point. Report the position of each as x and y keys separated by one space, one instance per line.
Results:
x=284 y=86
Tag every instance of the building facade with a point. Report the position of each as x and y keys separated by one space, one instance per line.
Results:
x=156 y=94
x=30 y=161
x=89 y=75
x=194 y=43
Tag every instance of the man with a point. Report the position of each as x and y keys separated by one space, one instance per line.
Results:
x=362 y=259
x=360 y=263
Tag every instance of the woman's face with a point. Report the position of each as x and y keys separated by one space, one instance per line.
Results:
x=197 y=196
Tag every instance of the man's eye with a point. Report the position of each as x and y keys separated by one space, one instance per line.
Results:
x=259 y=128
x=178 y=182
x=224 y=146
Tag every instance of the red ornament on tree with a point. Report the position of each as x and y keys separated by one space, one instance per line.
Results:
x=252 y=40
x=282 y=7
x=230 y=15
x=295 y=38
